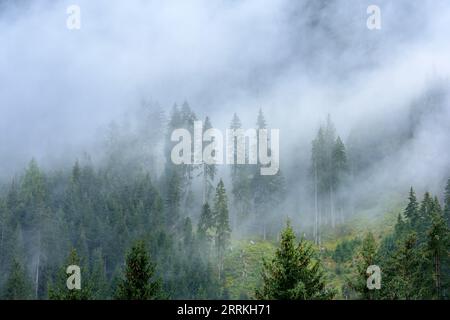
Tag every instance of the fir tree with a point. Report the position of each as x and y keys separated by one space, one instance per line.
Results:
x=401 y=270
x=294 y=273
x=206 y=224
x=412 y=209
x=366 y=257
x=222 y=225
x=447 y=203
x=98 y=279
x=18 y=285
x=438 y=248
x=139 y=281
x=60 y=291
x=240 y=180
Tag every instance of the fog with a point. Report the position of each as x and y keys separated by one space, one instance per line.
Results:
x=297 y=60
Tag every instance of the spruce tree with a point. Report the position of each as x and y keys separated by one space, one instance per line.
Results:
x=206 y=224
x=139 y=281
x=268 y=191
x=60 y=291
x=367 y=256
x=222 y=224
x=241 y=176
x=447 y=203
x=294 y=273
x=438 y=249
x=401 y=270
x=18 y=285
x=98 y=279
x=412 y=209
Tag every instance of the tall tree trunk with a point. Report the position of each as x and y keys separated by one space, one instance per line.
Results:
x=438 y=274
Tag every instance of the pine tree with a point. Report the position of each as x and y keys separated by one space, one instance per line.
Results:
x=268 y=191
x=60 y=291
x=329 y=172
x=438 y=247
x=206 y=224
x=412 y=209
x=294 y=273
x=222 y=225
x=18 y=285
x=36 y=215
x=261 y=120
x=139 y=282
x=173 y=202
x=366 y=257
x=98 y=279
x=447 y=203
x=401 y=272
x=426 y=209
x=339 y=175
x=241 y=176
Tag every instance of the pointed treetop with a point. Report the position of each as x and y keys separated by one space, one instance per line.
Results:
x=235 y=122
x=261 y=121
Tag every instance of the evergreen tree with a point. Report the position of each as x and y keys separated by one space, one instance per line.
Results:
x=401 y=270
x=427 y=207
x=412 y=209
x=294 y=273
x=447 y=203
x=18 y=285
x=438 y=248
x=329 y=172
x=366 y=257
x=98 y=279
x=36 y=216
x=222 y=225
x=139 y=282
x=240 y=180
x=339 y=176
x=60 y=291
x=206 y=224
x=268 y=191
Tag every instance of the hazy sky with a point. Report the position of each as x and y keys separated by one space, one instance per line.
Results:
x=298 y=60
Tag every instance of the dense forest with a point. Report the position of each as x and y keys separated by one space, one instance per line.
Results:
x=352 y=97
x=187 y=234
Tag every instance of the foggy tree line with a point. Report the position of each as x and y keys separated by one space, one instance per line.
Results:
x=329 y=173
x=91 y=215
x=119 y=216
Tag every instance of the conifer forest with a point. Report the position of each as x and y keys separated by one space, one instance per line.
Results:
x=231 y=150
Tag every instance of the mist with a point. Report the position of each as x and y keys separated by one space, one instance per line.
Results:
x=297 y=61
